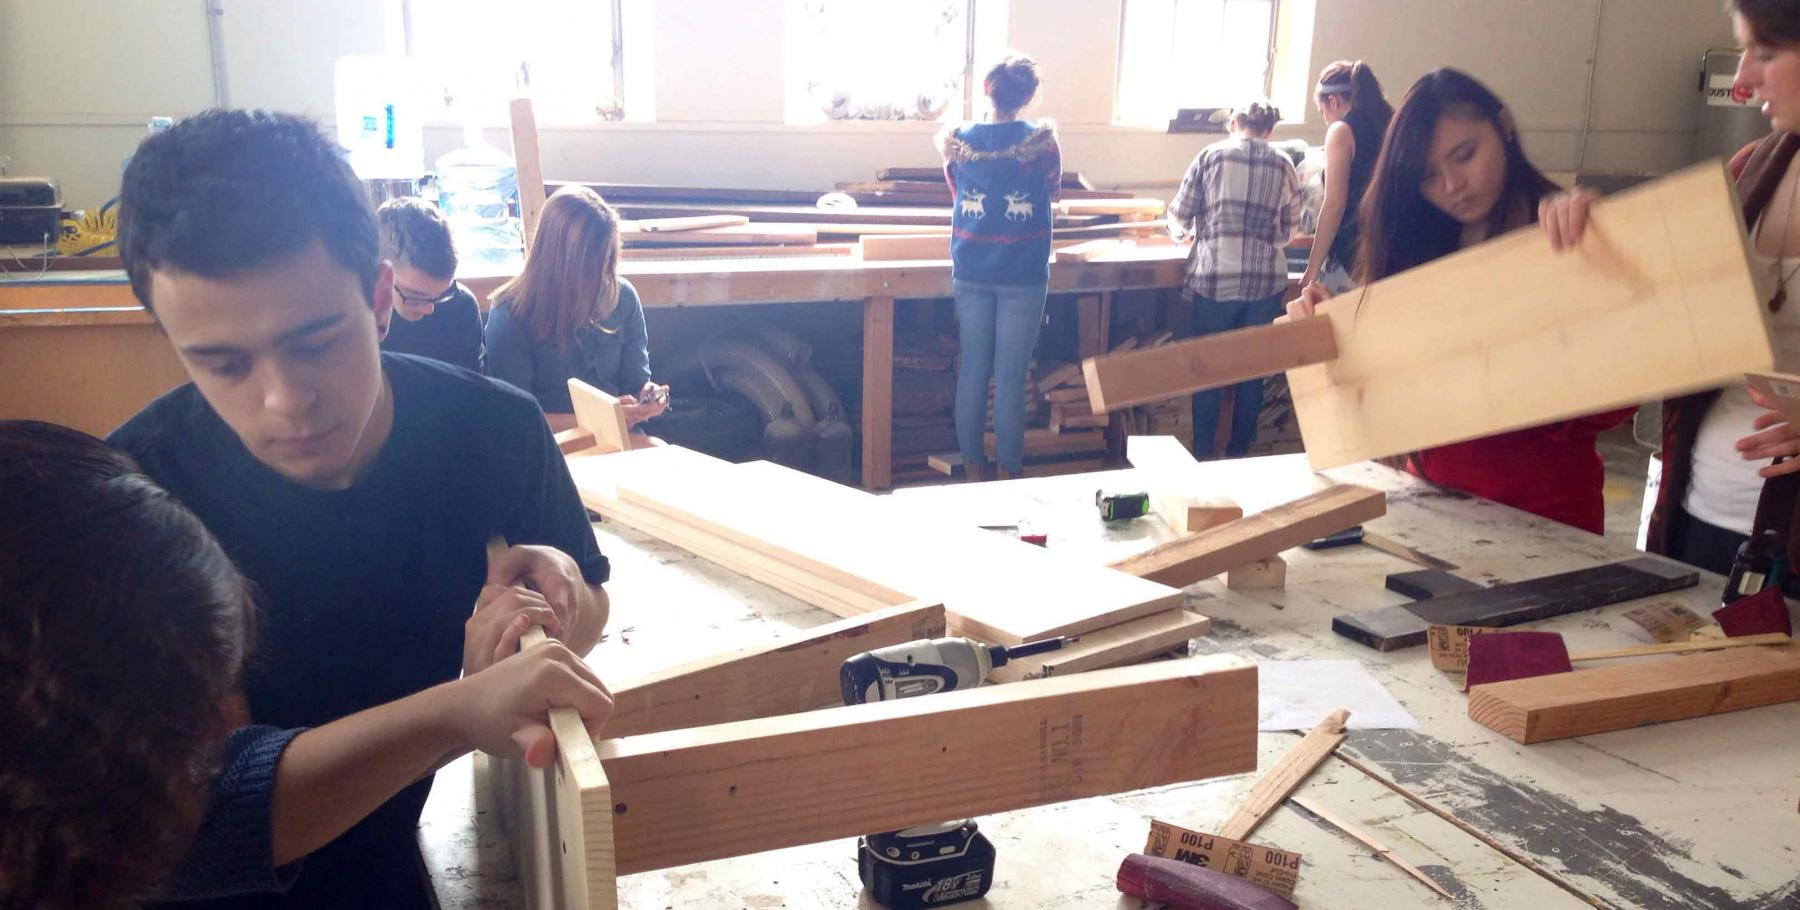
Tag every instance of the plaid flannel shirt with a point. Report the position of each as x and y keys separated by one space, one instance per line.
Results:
x=1241 y=199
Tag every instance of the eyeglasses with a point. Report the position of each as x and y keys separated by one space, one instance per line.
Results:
x=448 y=295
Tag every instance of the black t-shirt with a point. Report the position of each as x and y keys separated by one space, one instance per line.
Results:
x=452 y=333
x=364 y=591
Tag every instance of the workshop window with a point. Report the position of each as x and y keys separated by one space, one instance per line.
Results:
x=894 y=60
x=1192 y=53
x=479 y=54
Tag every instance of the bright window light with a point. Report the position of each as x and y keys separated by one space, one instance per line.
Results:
x=861 y=60
x=478 y=51
x=1192 y=53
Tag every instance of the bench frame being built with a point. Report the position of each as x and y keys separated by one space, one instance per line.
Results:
x=752 y=750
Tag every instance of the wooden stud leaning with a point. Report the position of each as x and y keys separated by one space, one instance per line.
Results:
x=878 y=393
x=530 y=166
x=1186 y=560
x=1286 y=776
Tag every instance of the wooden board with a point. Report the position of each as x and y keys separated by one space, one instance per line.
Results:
x=1206 y=362
x=687 y=796
x=1427 y=584
x=1262 y=574
x=683 y=223
x=1621 y=697
x=1196 y=557
x=601 y=415
x=882 y=247
x=737 y=252
x=1390 y=628
x=781 y=677
x=1089 y=249
x=1135 y=206
x=1113 y=646
x=1658 y=300
x=745 y=234
x=1178 y=491
x=878 y=393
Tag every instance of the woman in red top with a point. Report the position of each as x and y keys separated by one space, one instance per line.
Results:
x=1451 y=175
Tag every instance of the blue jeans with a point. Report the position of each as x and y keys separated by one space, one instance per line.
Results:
x=1210 y=318
x=998 y=326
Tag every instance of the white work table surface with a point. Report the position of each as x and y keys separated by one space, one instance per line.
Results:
x=1693 y=814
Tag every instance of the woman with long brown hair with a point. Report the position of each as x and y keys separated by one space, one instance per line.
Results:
x=1452 y=174
x=1349 y=98
x=1719 y=481
x=570 y=316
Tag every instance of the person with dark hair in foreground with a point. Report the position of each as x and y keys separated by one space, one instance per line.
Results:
x=1453 y=174
x=434 y=315
x=1004 y=176
x=123 y=777
x=356 y=489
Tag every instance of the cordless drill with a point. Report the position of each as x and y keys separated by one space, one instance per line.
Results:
x=933 y=864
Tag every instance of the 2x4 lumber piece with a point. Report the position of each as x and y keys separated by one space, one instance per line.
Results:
x=1287 y=776
x=684 y=223
x=1090 y=249
x=1658 y=299
x=1621 y=697
x=1262 y=574
x=780 y=677
x=1189 y=559
x=878 y=393
x=601 y=415
x=1392 y=628
x=1128 y=206
x=1177 y=490
x=1114 y=646
x=889 y=247
x=1116 y=381
x=686 y=796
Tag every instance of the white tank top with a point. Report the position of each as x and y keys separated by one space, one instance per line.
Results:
x=1725 y=487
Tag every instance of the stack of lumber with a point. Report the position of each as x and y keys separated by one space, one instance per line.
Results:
x=852 y=552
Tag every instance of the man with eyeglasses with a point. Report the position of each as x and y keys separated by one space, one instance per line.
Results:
x=436 y=316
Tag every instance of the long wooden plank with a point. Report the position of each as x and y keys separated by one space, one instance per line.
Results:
x=684 y=223
x=1139 y=377
x=1189 y=559
x=1391 y=628
x=1133 y=206
x=748 y=234
x=1368 y=840
x=1288 y=774
x=886 y=247
x=1113 y=646
x=781 y=677
x=1659 y=299
x=1683 y=647
x=1178 y=494
x=1621 y=697
x=687 y=796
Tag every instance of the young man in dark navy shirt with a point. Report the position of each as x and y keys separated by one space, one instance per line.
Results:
x=356 y=489
x=434 y=315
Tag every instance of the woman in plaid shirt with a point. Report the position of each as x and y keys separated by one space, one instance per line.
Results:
x=1240 y=201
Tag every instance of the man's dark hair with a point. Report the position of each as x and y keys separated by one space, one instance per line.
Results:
x=123 y=632
x=227 y=191
x=414 y=233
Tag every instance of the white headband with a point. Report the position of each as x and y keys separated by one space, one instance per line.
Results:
x=1339 y=89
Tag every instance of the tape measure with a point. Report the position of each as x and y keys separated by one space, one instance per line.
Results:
x=1121 y=506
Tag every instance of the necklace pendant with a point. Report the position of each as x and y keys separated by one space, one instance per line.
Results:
x=1780 y=298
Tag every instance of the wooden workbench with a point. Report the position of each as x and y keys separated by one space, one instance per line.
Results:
x=95 y=357
x=1694 y=814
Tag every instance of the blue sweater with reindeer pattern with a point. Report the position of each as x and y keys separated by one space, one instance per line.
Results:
x=1003 y=177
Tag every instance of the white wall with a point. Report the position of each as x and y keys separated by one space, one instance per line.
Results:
x=79 y=78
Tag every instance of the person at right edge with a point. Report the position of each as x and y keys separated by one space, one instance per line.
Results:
x=1452 y=174
x=1719 y=482
x=1003 y=175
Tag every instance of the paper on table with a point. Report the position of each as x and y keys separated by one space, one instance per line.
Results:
x=1297 y=694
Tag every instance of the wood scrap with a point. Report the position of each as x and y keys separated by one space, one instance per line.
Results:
x=781 y=677
x=737 y=252
x=1263 y=574
x=601 y=416
x=685 y=796
x=1287 y=775
x=574 y=439
x=762 y=233
x=684 y=223
x=950 y=464
x=1199 y=556
x=1390 y=628
x=1629 y=695
x=1050 y=442
x=1059 y=377
x=1368 y=840
x=1127 y=642
x=1426 y=584
x=529 y=166
x=1089 y=250
x=1151 y=207
x=1683 y=647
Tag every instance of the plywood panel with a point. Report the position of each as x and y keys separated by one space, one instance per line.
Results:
x=1658 y=300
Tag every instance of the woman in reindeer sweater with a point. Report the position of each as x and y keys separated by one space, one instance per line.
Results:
x=1004 y=175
